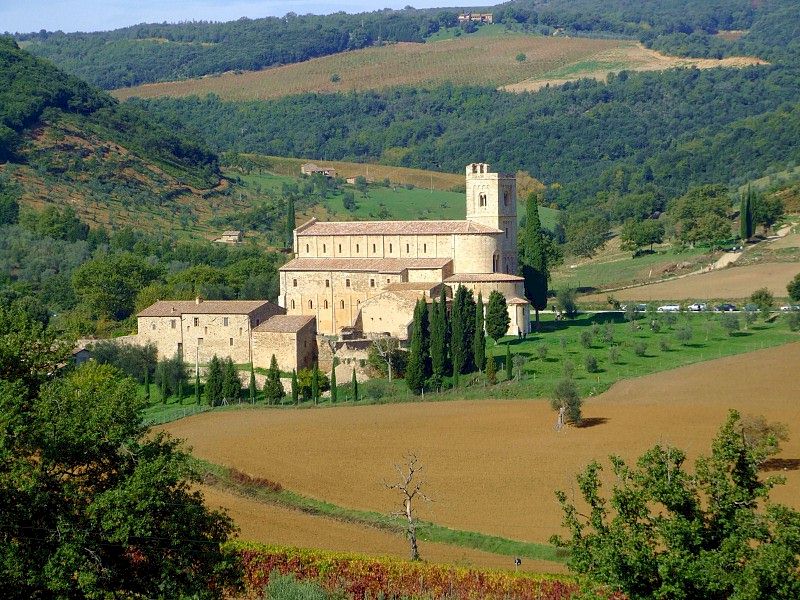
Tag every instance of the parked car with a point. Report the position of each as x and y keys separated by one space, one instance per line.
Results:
x=698 y=306
x=669 y=308
x=637 y=307
x=725 y=307
x=790 y=307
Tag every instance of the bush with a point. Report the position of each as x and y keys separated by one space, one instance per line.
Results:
x=655 y=325
x=287 y=587
x=541 y=351
x=562 y=341
x=590 y=362
x=608 y=334
x=664 y=345
x=586 y=339
x=568 y=368
x=793 y=320
x=613 y=354
x=670 y=319
x=730 y=323
x=684 y=335
x=764 y=300
x=566 y=299
x=640 y=348
x=566 y=394
x=376 y=389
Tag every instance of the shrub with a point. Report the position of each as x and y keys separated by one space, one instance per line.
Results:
x=287 y=587
x=566 y=394
x=684 y=334
x=541 y=351
x=793 y=320
x=655 y=325
x=764 y=300
x=608 y=334
x=664 y=345
x=586 y=339
x=640 y=348
x=590 y=362
x=562 y=341
x=749 y=317
x=670 y=319
x=568 y=368
x=566 y=298
x=595 y=330
x=730 y=323
x=613 y=354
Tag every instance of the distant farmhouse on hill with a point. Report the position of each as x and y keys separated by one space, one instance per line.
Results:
x=475 y=18
x=312 y=169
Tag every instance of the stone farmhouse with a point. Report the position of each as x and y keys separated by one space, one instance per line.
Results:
x=364 y=277
x=475 y=17
x=312 y=169
x=244 y=330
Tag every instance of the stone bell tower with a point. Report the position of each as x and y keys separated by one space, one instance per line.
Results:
x=492 y=201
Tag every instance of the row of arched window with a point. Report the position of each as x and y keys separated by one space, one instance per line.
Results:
x=324 y=304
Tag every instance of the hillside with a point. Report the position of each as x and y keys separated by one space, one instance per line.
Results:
x=492 y=57
x=63 y=142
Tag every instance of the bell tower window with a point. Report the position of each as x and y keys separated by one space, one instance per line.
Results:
x=482 y=200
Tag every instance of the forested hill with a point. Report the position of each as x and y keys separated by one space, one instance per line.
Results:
x=163 y=52
x=64 y=142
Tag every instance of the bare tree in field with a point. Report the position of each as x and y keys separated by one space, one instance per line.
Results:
x=410 y=487
x=387 y=348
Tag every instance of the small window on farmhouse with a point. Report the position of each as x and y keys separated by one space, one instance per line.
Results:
x=310 y=304
x=374 y=248
x=346 y=283
x=357 y=248
x=324 y=248
x=308 y=248
x=388 y=280
x=482 y=200
x=408 y=247
x=230 y=341
x=371 y=283
x=153 y=325
x=424 y=247
x=225 y=321
x=205 y=330
x=196 y=322
x=390 y=248
x=292 y=303
x=294 y=282
x=328 y=283
x=341 y=303
x=325 y=304
x=340 y=248
x=180 y=348
x=199 y=341
x=240 y=331
x=172 y=323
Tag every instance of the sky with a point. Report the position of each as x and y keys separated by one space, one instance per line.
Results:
x=25 y=16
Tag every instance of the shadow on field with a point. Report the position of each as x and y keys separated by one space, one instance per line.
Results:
x=593 y=422
x=781 y=464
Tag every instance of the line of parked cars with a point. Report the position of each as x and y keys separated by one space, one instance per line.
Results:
x=703 y=306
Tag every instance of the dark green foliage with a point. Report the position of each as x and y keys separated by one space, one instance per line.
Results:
x=214 y=378
x=418 y=355
x=746 y=225
x=767 y=209
x=252 y=388
x=9 y=204
x=764 y=301
x=567 y=303
x=334 y=387
x=663 y=345
x=133 y=360
x=462 y=331
x=311 y=383
x=639 y=348
x=439 y=337
x=730 y=323
x=479 y=340
x=613 y=354
x=354 y=386
x=701 y=215
x=197 y=387
x=273 y=388
x=55 y=223
x=793 y=287
x=586 y=339
x=708 y=532
x=533 y=257
x=231 y=384
x=636 y=235
x=147 y=385
x=290 y=223
x=793 y=320
x=507 y=363
x=565 y=394
x=586 y=236
x=684 y=334
x=170 y=376
x=497 y=319
x=541 y=352
x=590 y=362
x=92 y=503
x=491 y=370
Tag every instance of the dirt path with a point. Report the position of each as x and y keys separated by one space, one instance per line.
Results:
x=493 y=466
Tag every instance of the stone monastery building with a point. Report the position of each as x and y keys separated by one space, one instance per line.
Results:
x=365 y=276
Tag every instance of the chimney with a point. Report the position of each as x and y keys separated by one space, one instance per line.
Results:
x=198 y=300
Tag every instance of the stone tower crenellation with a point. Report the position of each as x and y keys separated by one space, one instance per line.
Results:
x=492 y=201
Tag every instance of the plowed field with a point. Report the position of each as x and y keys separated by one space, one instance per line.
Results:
x=492 y=466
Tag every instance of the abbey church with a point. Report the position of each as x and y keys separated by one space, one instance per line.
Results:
x=363 y=278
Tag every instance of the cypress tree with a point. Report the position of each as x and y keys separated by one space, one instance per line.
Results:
x=354 y=385
x=273 y=388
x=180 y=390
x=425 y=326
x=334 y=390
x=251 y=389
x=197 y=387
x=290 y=223
x=438 y=337
x=468 y=313
x=458 y=347
x=415 y=367
x=231 y=385
x=479 y=339
x=491 y=370
x=213 y=389
x=743 y=200
x=534 y=259
x=315 y=384
x=497 y=319
x=295 y=388
x=509 y=372
x=751 y=209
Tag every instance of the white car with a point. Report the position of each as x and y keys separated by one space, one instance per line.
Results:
x=669 y=308
x=790 y=307
x=698 y=306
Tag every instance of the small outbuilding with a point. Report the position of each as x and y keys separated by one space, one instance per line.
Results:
x=291 y=338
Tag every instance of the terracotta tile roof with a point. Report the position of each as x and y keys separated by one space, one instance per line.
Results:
x=421 y=286
x=516 y=300
x=170 y=308
x=395 y=228
x=372 y=265
x=285 y=323
x=481 y=277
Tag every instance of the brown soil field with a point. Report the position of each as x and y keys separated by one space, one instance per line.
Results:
x=270 y=524
x=731 y=283
x=472 y=60
x=493 y=466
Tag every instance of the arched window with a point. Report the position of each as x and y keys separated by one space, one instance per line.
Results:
x=327 y=283
x=482 y=200
x=347 y=283
x=294 y=282
x=506 y=196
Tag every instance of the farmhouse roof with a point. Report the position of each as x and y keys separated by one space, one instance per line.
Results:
x=482 y=277
x=374 y=265
x=285 y=323
x=395 y=228
x=172 y=308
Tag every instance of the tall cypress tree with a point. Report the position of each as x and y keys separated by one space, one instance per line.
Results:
x=251 y=389
x=438 y=327
x=425 y=326
x=415 y=367
x=315 y=384
x=743 y=201
x=509 y=372
x=354 y=385
x=197 y=387
x=479 y=339
x=534 y=259
x=214 y=382
x=295 y=388
x=469 y=331
x=458 y=347
x=290 y=223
